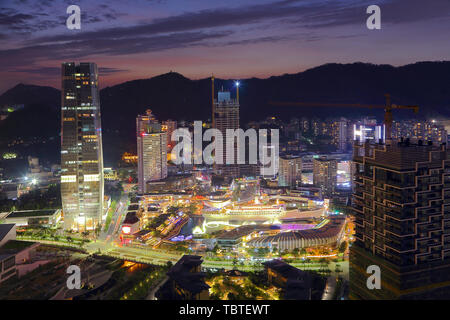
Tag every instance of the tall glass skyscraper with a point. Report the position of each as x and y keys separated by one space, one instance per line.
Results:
x=81 y=147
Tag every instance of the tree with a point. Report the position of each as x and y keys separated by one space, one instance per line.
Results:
x=337 y=269
x=343 y=247
x=234 y=263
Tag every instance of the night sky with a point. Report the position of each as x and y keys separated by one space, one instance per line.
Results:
x=230 y=38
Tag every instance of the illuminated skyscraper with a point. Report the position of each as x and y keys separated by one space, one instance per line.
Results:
x=152 y=150
x=227 y=117
x=401 y=205
x=81 y=147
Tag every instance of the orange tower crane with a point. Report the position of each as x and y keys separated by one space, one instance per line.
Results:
x=388 y=107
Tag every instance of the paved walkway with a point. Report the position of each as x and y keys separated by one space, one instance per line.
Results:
x=151 y=295
x=330 y=287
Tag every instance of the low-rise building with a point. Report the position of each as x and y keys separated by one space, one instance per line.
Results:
x=34 y=217
x=330 y=232
x=110 y=174
x=296 y=284
x=185 y=281
x=7 y=232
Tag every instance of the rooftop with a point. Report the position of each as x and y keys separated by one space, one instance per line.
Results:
x=328 y=230
x=5 y=229
x=242 y=231
x=287 y=271
x=31 y=213
x=182 y=275
x=15 y=246
x=131 y=218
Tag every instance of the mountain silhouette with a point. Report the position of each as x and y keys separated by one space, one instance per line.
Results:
x=173 y=96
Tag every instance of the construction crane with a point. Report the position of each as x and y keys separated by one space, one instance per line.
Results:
x=388 y=107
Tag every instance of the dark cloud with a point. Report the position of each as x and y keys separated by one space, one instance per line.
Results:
x=14 y=19
x=314 y=14
x=81 y=48
x=55 y=71
x=106 y=71
x=47 y=15
x=42 y=71
x=204 y=19
x=251 y=41
x=209 y=27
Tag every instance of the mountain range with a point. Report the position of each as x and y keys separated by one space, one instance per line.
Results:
x=173 y=96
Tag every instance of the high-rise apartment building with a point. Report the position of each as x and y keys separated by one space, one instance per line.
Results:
x=81 y=147
x=325 y=175
x=401 y=205
x=339 y=134
x=152 y=150
x=290 y=171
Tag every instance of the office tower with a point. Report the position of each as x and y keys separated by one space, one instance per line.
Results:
x=152 y=150
x=81 y=147
x=169 y=126
x=339 y=133
x=290 y=171
x=325 y=175
x=226 y=116
x=401 y=205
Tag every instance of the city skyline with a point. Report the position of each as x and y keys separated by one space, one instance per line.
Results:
x=167 y=188
x=151 y=38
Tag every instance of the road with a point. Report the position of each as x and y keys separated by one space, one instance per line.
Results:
x=118 y=216
x=161 y=257
x=151 y=295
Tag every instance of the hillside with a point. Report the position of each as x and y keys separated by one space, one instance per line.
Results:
x=174 y=96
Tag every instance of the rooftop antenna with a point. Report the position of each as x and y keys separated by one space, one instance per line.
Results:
x=237 y=83
x=212 y=100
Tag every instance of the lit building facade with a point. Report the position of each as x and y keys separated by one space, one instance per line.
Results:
x=152 y=150
x=82 y=189
x=339 y=134
x=325 y=175
x=226 y=116
x=290 y=171
x=401 y=205
x=169 y=126
x=419 y=130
